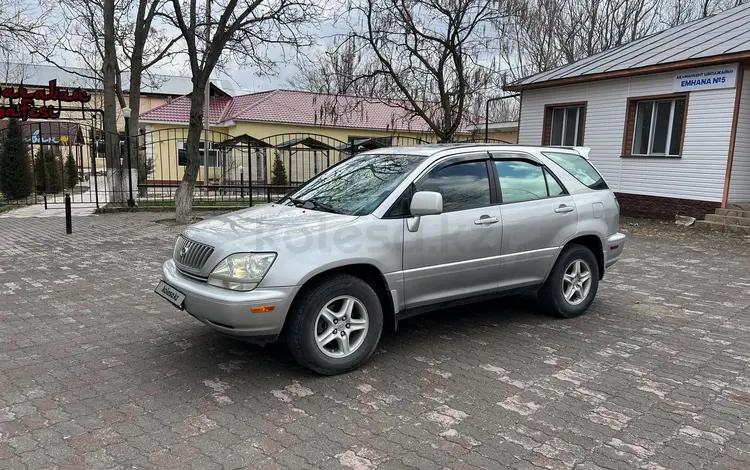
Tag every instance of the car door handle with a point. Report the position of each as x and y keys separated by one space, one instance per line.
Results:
x=486 y=220
x=563 y=209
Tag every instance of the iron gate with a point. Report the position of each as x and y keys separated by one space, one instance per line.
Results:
x=57 y=158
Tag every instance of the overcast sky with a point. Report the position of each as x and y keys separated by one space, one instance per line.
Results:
x=249 y=78
x=243 y=78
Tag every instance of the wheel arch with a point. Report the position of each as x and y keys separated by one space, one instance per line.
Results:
x=593 y=243
x=365 y=271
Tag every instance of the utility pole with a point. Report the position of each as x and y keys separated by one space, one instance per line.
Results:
x=206 y=104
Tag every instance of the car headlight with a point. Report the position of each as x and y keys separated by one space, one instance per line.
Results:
x=241 y=271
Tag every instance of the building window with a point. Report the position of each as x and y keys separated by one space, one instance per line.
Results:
x=213 y=155
x=655 y=126
x=564 y=124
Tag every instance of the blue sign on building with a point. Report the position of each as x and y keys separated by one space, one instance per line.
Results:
x=706 y=78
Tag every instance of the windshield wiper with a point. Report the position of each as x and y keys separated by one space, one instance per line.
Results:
x=297 y=202
x=313 y=204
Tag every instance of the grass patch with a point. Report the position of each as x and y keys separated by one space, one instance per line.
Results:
x=8 y=208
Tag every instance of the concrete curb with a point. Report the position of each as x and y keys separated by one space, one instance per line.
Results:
x=118 y=209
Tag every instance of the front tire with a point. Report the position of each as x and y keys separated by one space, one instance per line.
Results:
x=335 y=325
x=572 y=284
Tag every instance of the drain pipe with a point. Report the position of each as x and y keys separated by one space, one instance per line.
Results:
x=487 y=113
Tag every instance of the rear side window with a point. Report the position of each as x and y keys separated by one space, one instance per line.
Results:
x=579 y=168
x=523 y=181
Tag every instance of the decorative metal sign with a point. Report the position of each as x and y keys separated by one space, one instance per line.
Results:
x=28 y=107
x=37 y=138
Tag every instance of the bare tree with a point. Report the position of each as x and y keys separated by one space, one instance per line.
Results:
x=143 y=47
x=109 y=80
x=678 y=12
x=334 y=70
x=20 y=22
x=434 y=55
x=12 y=69
x=529 y=38
x=538 y=35
x=104 y=37
x=242 y=29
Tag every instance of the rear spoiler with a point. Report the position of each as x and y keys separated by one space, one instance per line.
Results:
x=582 y=151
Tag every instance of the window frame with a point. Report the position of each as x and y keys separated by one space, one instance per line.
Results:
x=455 y=160
x=528 y=159
x=631 y=117
x=181 y=148
x=438 y=165
x=548 y=113
x=602 y=186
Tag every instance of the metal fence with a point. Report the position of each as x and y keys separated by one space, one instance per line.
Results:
x=235 y=170
x=54 y=160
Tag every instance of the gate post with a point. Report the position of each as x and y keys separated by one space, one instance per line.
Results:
x=34 y=169
x=126 y=114
x=93 y=166
x=250 y=177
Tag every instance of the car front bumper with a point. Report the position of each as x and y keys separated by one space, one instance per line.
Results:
x=230 y=312
x=613 y=248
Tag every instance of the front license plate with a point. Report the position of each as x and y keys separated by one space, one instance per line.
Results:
x=170 y=293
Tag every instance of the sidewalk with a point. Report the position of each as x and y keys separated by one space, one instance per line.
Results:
x=53 y=210
x=83 y=204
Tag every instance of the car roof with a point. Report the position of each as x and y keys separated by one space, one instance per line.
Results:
x=430 y=150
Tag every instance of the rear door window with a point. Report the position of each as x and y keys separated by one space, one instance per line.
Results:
x=579 y=168
x=521 y=180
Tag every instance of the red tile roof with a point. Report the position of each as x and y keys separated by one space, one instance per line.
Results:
x=178 y=111
x=295 y=107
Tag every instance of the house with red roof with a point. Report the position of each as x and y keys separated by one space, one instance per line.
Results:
x=308 y=131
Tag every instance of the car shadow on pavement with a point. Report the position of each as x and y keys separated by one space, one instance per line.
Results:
x=415 y=334
x=190 y=363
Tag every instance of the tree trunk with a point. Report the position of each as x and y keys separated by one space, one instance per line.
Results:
x=111 y=136
x=134 y=94
x=134 y=101
x=184 y=196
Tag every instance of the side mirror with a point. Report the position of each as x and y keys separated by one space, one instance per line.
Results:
x=426 y=203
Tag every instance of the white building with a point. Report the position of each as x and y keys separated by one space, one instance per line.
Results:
x=667 y=117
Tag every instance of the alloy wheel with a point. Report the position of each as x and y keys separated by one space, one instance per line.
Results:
x=576 y=283
x=341 y=326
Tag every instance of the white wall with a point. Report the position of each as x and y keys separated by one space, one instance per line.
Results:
x=699 y=174
x=739 y=186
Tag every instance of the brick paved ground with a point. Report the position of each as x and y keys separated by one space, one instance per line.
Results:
x=98 y=372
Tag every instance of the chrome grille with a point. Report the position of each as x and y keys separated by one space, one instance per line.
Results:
x=190 y=255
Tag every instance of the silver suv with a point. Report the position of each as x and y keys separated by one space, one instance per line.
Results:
x=395 y=232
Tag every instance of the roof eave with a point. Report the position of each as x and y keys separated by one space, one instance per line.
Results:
x=183 y=123
x=339 y=126
x=649 y=69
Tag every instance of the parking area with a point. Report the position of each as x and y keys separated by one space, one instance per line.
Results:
x=98 y=372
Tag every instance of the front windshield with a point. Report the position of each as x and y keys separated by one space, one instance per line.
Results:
x=358 y=185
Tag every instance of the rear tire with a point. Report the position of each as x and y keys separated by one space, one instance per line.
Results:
x=335 y=325
x=572 y=284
